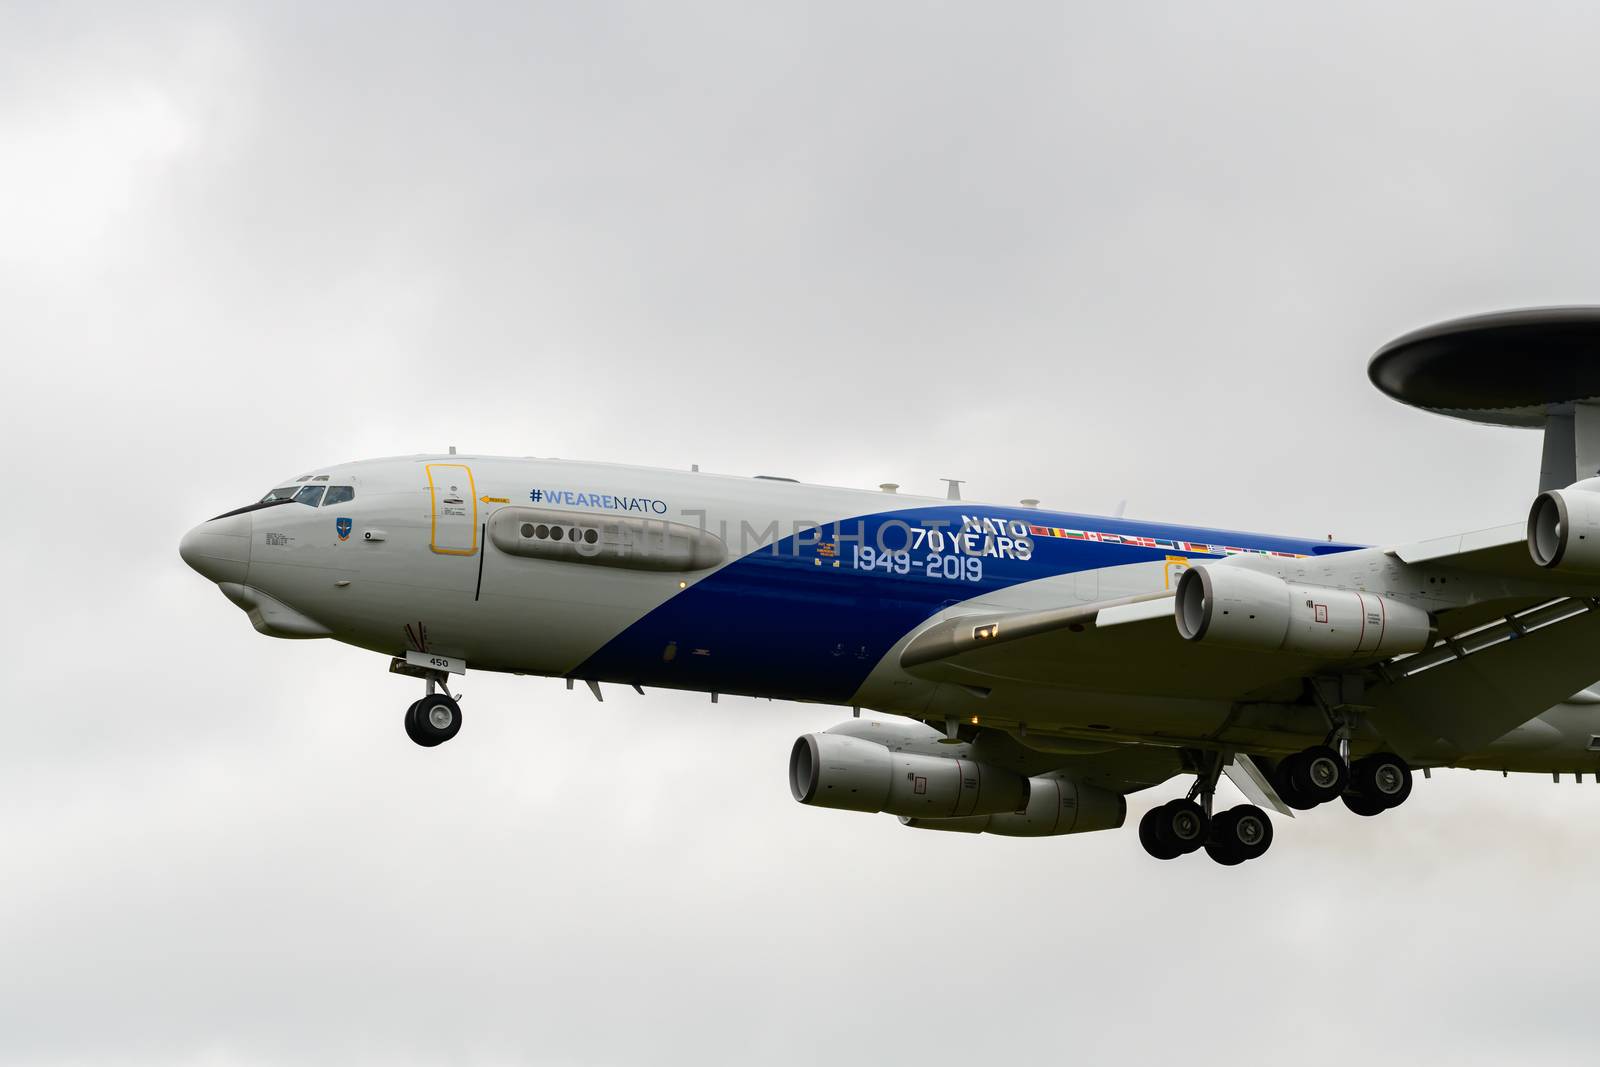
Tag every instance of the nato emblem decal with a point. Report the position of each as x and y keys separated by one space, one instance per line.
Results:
x=343 y=526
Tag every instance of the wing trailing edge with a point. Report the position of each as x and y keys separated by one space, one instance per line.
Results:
x=1464 y=693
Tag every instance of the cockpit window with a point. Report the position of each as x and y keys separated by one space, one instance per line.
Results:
x=338 y=494
x=286 y=493
x=310 y=494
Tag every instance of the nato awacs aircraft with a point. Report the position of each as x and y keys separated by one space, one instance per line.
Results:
x=1044 y=664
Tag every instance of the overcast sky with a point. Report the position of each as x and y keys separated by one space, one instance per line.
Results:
x=1084 y=253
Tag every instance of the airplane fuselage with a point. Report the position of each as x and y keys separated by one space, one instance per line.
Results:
x=750 y=586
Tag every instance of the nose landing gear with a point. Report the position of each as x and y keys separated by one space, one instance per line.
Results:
x=434 y=719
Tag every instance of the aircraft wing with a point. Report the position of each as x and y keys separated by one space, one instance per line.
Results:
x=1501 y=551
x=1525 y=644
x=1129 y=645
x=1464 y=693
x=1497 y=562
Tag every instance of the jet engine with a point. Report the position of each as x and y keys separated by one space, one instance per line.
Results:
x=1564 y=528
x=1056 y=805
x=833 y=770
x=1247 y=609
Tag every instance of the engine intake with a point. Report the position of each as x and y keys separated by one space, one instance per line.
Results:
x=1564 y=528
x=1247 y=609
x=838 y=771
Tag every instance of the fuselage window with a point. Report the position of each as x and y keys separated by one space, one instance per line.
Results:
x=311 y=494
x=338 y=494
x=286 y=493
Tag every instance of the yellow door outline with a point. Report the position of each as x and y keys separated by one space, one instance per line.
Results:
x=1174 y=563
x=433 y=510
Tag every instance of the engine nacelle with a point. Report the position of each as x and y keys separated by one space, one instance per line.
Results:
x=1247 y=609
x=1564 y=528
x=839 y=771
x=1056 y=805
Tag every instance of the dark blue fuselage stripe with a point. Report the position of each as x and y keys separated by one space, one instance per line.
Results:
x=800 y=620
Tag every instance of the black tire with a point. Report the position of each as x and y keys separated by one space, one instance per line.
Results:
x=1221 y=853
x=1287 y=780
x=1251 y=831
x=433 y=720
x=1239 y=834
x=1319 y=774
x=1384 y=777
x=1362 y=804
x=1183 y=826
x=1220 y=844
x=1150 y=836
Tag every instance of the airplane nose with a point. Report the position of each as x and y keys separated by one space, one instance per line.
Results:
x=219 y=548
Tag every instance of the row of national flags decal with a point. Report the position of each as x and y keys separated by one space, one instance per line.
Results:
x=1169 y=544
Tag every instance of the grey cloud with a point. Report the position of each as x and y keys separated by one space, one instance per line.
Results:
x=1081 y=254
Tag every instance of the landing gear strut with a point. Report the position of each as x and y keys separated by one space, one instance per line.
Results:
x=1368 y=786
x=1186 y=825
x=434 y=719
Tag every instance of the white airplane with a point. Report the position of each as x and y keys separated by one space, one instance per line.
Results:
x=1044 y=664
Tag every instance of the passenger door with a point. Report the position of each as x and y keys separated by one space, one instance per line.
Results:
x=454 y=509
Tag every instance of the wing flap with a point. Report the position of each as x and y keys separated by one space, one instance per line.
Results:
x=1462 y=695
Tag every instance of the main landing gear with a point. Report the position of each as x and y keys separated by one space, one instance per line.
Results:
x=1368 y=786
x=1377 y=783
x=1187 y=825
x=434 y=719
